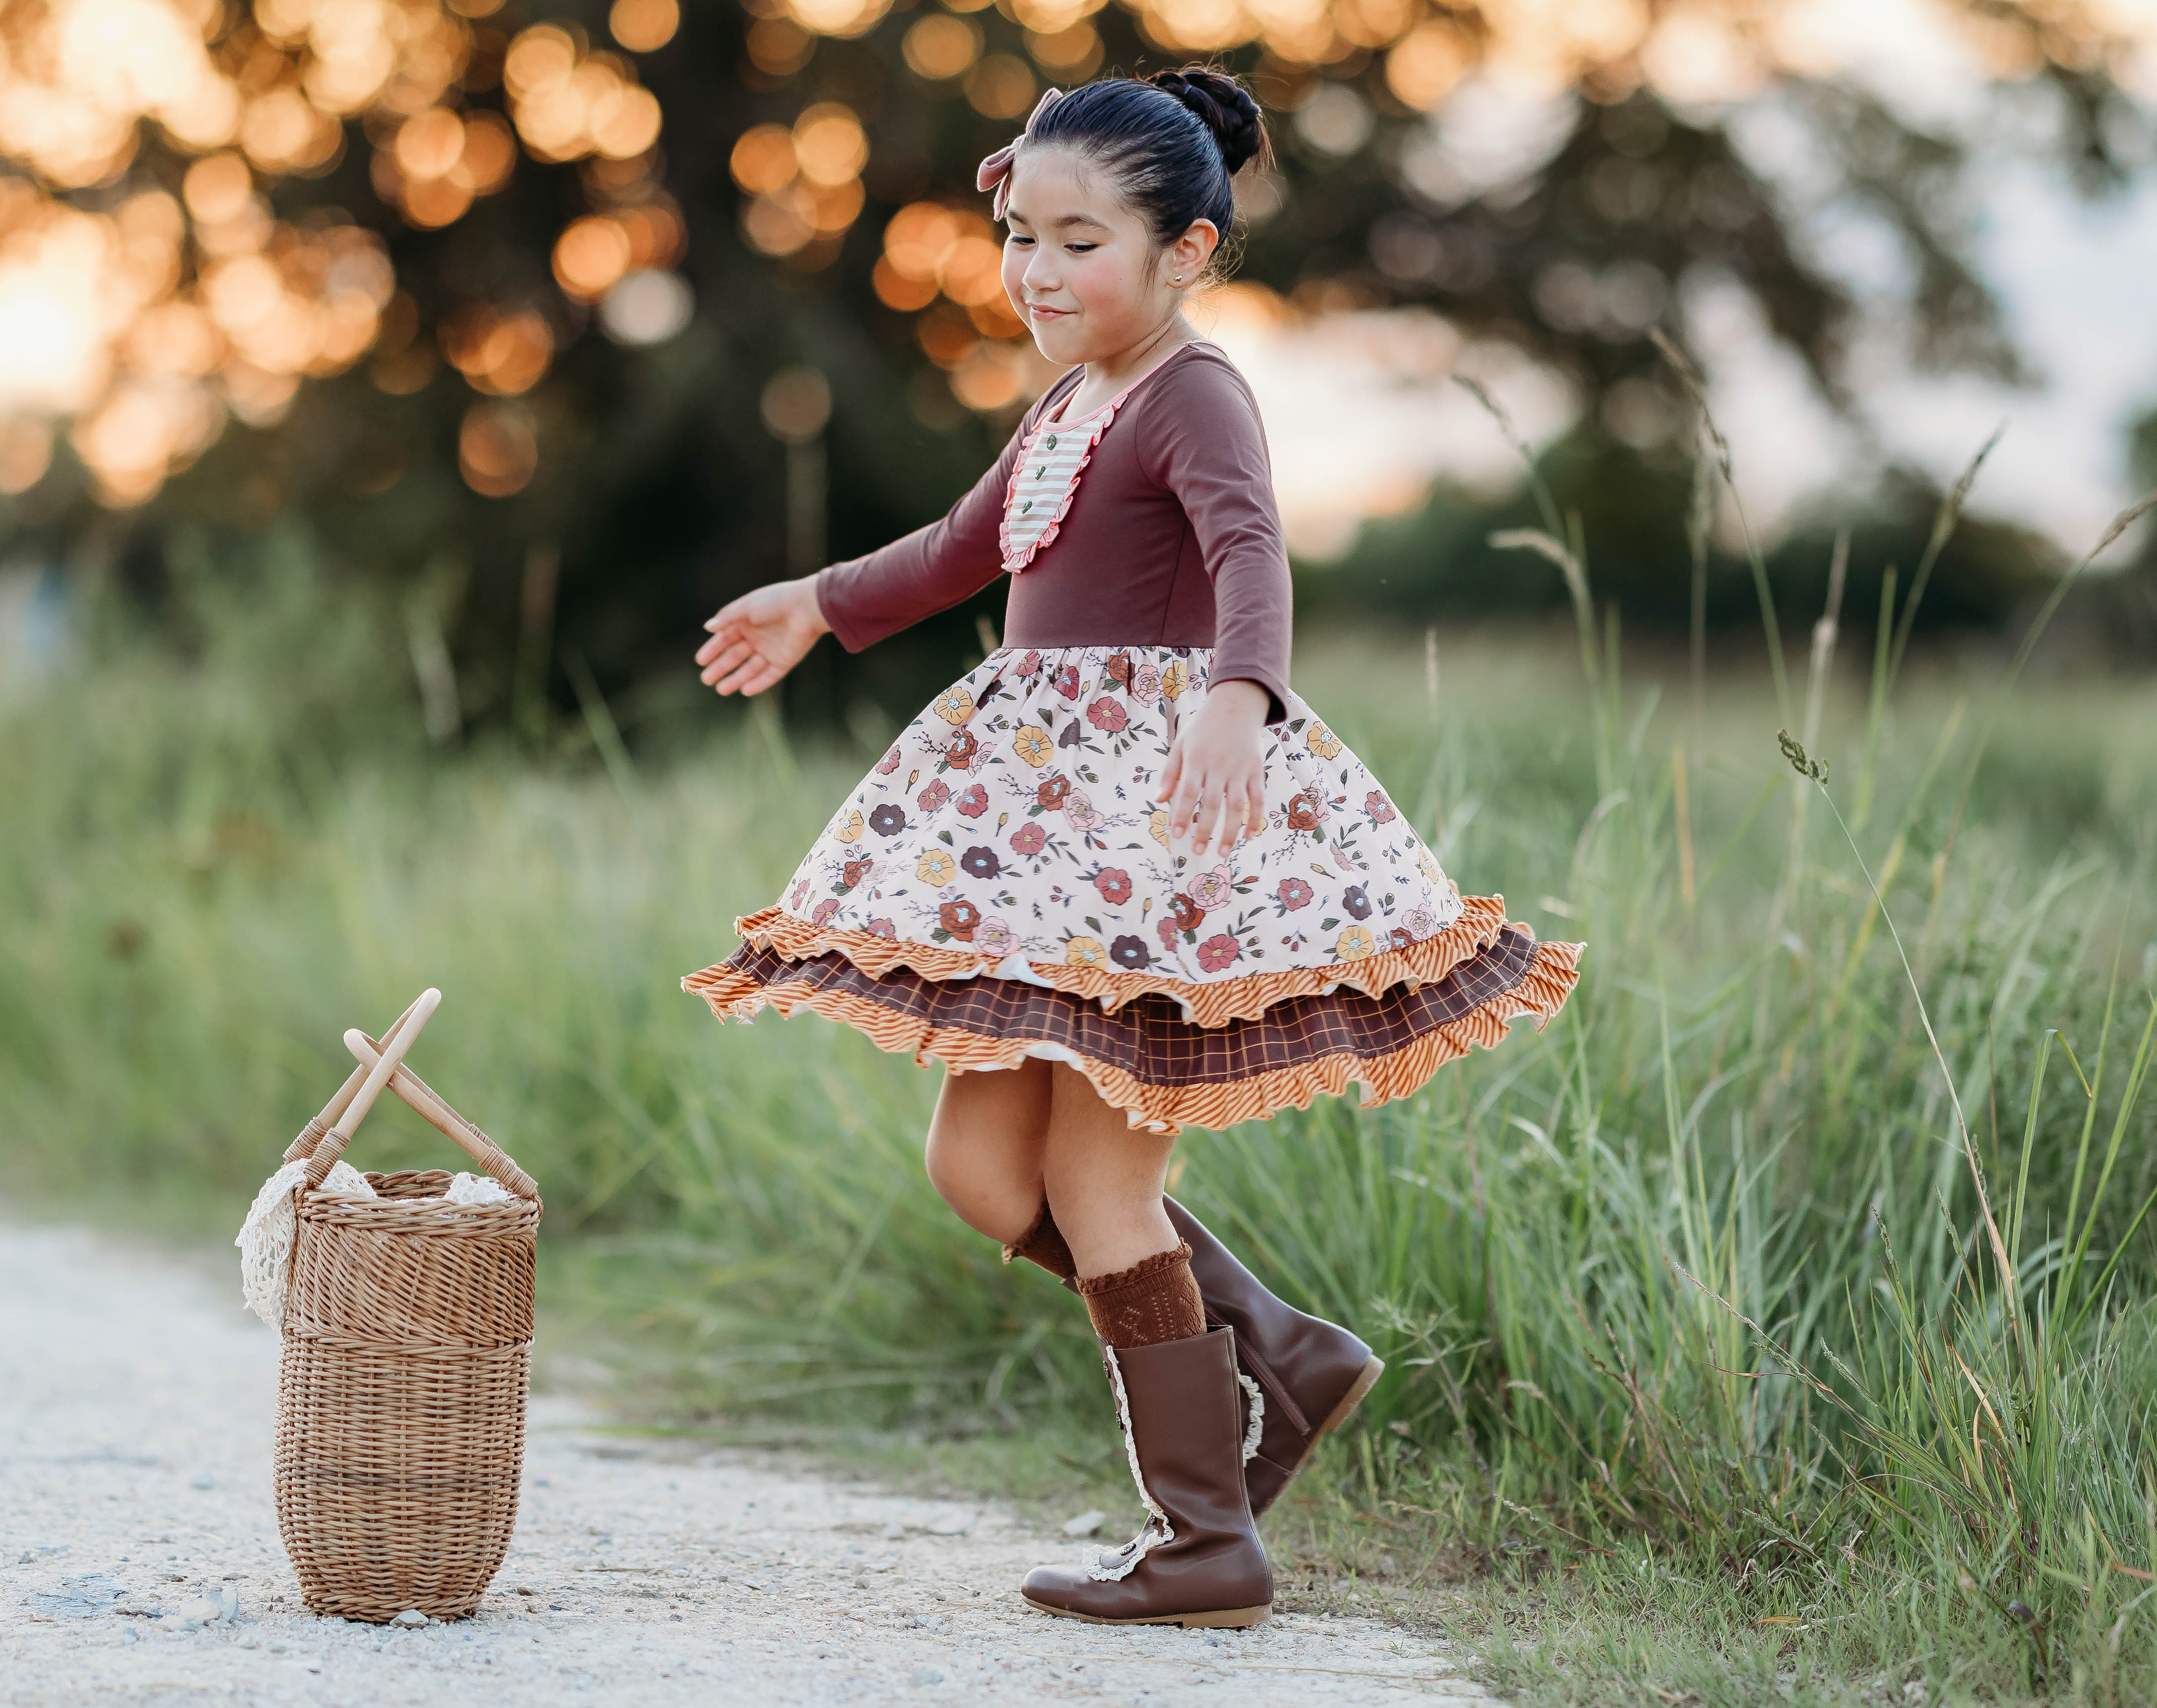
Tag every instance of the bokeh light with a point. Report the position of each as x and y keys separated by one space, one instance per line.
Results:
x=497 y=448
x=643 y=26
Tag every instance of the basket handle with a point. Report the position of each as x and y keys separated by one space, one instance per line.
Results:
x=333 y=1142
x=427 y=1103
x=311 y=1134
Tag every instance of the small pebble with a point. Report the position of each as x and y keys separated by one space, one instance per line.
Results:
x=410 y=1616
x=1086 y=1524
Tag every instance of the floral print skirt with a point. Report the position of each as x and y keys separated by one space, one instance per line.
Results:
x=1001 y=885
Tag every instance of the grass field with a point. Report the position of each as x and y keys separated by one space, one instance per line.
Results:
x=1724 y=1366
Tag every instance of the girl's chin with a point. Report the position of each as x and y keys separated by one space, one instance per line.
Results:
x=1059 y=340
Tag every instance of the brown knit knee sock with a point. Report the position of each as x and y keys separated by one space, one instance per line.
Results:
x=1042 y=1243
x=1154 y=1300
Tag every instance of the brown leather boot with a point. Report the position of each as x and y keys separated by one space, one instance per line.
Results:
x=1312 y=1373
x=1197 y=1559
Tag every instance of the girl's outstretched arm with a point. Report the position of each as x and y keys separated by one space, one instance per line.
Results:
x=758 y=638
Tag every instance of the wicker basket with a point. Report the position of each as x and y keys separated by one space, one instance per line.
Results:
x=408 y=1346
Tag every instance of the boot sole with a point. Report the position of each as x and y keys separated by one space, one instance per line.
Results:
x=1225 y=1619
x=1366 y=1380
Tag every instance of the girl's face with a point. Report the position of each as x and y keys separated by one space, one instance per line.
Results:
x=1080 y=267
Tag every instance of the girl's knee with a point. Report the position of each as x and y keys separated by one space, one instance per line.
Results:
x=993 y=1188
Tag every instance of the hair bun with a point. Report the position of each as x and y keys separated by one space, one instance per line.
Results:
x=1223 y=105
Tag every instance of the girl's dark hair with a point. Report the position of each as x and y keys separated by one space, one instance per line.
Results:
x=1173 y=141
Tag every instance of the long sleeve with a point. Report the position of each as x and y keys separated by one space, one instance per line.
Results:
x=1205 y=444
x=865 y=599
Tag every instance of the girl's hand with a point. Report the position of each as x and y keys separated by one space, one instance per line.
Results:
x=1215 y=778
x=760 y=637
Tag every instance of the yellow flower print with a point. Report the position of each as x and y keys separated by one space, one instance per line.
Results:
x=1353 y=944
x=1084 y=952
x=936 y=868
x=955 y=705
x=1427 y=865
x=1031 y=743
x=1157 y=822
x=1174 y=679
x=848 y=826
x=1322 y=741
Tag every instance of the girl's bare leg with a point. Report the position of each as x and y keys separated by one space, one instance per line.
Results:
x=985 y=1146
x=1104 y=1178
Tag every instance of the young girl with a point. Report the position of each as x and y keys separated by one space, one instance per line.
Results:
x=1121 y=862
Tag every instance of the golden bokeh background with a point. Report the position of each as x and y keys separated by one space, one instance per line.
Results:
x=139 y=316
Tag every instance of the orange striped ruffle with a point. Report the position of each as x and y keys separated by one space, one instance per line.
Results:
x=1540 y=993
x=1481 y=921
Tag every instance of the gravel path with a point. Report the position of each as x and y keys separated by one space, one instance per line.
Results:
x=135 y=1425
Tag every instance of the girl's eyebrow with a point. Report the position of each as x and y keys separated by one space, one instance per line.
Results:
x=1017 y=216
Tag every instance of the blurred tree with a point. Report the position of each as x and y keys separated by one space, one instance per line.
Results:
x=487 y=295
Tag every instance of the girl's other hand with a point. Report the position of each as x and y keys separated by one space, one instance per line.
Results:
x=1215 y=778
x=760 y=637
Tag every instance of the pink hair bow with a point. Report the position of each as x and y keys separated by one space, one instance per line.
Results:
x=995 y=172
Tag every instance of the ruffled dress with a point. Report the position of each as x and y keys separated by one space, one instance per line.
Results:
x=1001 y=884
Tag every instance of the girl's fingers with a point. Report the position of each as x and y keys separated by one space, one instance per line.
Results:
x=729 y=679
x=755 y=675
x=727 y=660
x=1207 y=817
x=728 y=615
x=717 y=646
x=1255 y=818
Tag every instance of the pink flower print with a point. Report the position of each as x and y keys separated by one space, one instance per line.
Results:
x=801 y=893
x=1421 y=923
x=883 y=929
x=1213 y=889
x=1292 y=894
x=1079 y=811
x=1031 y=663
x=1217 y=951
x=934 y=796
x=1105 y=715
x=824 y=909
x=1164 y=929
x=1340 y=858
x=973 y=800
x=889 y=763
x=1145 y=684
x=1066 y=682
x=1029 y=839
x=993 y=936
x=1115 y=885
x=1380 y=808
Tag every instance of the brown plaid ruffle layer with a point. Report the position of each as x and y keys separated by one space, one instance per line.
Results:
x=1144 y=1058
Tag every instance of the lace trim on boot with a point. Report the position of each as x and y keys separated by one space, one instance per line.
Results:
x=1255 y=1427
x=1156 y=1532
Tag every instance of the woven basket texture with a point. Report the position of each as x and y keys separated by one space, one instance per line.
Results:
x=400 y=1402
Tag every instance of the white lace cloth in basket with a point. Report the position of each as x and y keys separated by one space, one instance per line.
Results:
x=266 y=1237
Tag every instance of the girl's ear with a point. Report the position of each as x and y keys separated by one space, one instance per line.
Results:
x=1189 y=253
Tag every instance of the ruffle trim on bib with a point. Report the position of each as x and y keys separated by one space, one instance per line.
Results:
x=1016 y=557
x=1479 y=924
x=1143 y=1057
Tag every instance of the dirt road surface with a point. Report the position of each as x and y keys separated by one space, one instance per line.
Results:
x=135 y=1496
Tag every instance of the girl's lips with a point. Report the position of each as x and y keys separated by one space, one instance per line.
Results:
x=1042 y=310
